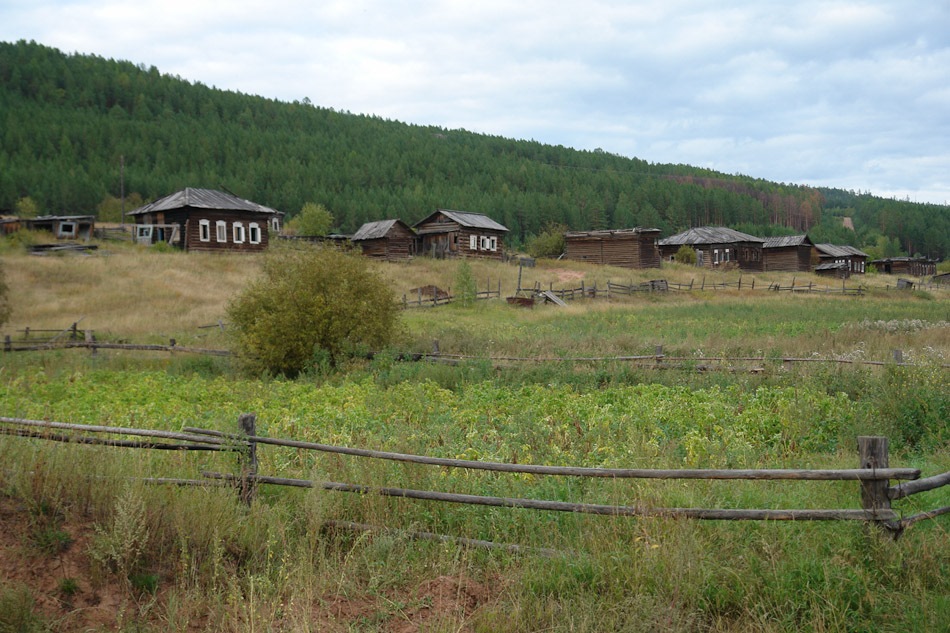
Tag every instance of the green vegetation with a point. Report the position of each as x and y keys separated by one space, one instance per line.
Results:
x=685 y=255
x=311 y=309
x=69 y=119
x=313 y=219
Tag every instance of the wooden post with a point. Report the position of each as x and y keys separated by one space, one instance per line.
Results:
x=873 y=454
x=435 y=347
x=74 y=336
x=247 y=425
x=7 y=343
x=898 y=356
x=91 y=342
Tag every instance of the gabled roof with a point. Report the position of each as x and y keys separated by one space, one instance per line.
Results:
x=709 y=235
x=203 y=199
x=466 y=219
x=376 y=230
x=832 y=250
x=786 y=241
x=610 y=233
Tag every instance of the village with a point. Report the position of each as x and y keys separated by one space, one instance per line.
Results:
x=195 y=219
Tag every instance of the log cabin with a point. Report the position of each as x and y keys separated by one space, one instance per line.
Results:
x=626 y=248
x=789 y=253
x=391 y=240
x=447 y=233
x=716 y=247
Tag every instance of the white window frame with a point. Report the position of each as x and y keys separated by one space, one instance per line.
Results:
x=237 y=232
x=493 y=243
x=275 y=224
x=221 y=231
x=254 y=233
x=204 y=230
x=715 y=256
x=473 y=242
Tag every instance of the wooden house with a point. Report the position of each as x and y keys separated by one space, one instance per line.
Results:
x=828 y=254
x=391 y=240
x=911 y=266
x=447 y=233
x=9 y=225
x=206 y=220
x=65 y=227
x=627 y=248
x=716 y=246
x=789 y=253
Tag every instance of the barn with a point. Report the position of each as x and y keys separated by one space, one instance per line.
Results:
x=447 y=233
x=716 y=246
x=789 y=253
x=391 y=240
x=206 y=220
x=852 y=258
x=911 y=266
x=627 y=248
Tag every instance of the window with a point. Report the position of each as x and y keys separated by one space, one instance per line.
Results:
x=204 y=230
x=726 y=256
x=237 y=231
x=275 y=224
x=67 y=229
x=221 y=231
x=493 y=243
x=473 y=242
x=700 y=256
x=254 y=233
x=145 y=231
x=715 y=256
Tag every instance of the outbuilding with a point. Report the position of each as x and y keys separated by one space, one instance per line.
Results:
x=391 y=240
x=626 y=248
x=853 y=258
x=789 y=253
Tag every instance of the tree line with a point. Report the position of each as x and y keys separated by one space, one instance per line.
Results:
x=80 y=133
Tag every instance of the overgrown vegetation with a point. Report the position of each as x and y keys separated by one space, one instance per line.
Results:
x=311 y=309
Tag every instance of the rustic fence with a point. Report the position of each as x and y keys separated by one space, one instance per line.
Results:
x=432 y=296
x=873 y=474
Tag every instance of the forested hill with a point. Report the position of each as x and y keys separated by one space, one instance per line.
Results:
x=70 y=120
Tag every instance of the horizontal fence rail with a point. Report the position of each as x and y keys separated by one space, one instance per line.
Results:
x=873 y=475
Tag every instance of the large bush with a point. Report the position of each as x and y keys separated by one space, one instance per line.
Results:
x=312 y=307
x=550 y=243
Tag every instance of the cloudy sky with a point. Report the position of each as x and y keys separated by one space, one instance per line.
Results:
x=849 y=94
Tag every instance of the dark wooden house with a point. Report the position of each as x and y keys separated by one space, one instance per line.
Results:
x=855 y=260
x=447 y=233
x=910 y=266
x=391 y=240
x=206 y=220
x=717 y=246
x=65 y=227
x=627 y=248
x=789 y=253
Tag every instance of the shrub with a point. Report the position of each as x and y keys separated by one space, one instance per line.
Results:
x=550 y=243
x=685 y=255
x=313 y=219
x=315 y=305
x=466 y=290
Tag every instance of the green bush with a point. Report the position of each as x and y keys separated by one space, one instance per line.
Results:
x=466 y=290
x=685 y=255
x=549 y=244
x=312 y=307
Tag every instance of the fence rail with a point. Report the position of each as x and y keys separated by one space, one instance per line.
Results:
x=873 y=476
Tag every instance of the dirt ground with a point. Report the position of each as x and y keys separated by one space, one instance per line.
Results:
x=71 y=595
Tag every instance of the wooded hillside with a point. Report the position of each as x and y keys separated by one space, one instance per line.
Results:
x=70 y=120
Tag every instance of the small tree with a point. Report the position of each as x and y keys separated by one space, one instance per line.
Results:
x=465 y=287
x=5 y=308
x=550 y=243
x=26 y=208
x=311 y=306
x=685 y=254
x=313 y=219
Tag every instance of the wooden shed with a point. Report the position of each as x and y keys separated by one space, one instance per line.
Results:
x=912 y=266
x=716 y=246
x=627 y=248
x=207 y=220
x=65 y=227
x=855 y=259
x=790 y=253
x=391 y=240
x=447 y=233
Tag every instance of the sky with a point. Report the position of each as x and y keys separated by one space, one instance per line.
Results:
x=847 y=94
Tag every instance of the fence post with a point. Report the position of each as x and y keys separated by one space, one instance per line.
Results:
x=898 y=356
x=91 y=342
x=247 y=424
x=872 y=450
x=7 y=343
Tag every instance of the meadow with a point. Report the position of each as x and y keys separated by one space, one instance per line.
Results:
x=546 y=386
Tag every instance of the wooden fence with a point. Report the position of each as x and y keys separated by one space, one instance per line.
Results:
x=873 y=475
x=423 y=299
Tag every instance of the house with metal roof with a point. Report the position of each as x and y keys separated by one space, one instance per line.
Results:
x=206 y=220
x=447 y=233
x=912 y=266
x=392 y=240
x=716 y=247
x=842 y=261
x=788 y=253
x=627 y=248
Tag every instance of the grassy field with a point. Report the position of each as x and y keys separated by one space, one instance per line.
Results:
x=184 y=559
